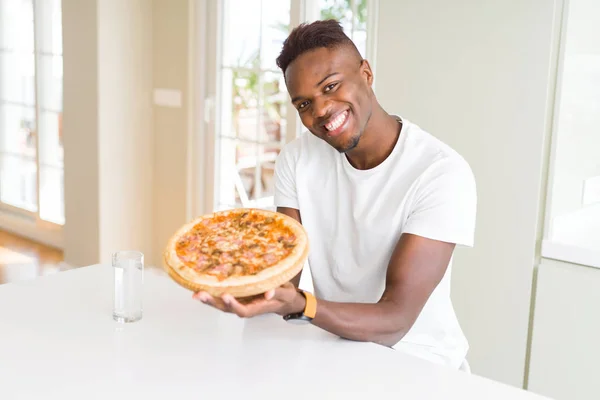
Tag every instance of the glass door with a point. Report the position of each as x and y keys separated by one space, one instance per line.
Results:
x=31 y=155
x=252 y=120
x=251 y=117
x=18 y=147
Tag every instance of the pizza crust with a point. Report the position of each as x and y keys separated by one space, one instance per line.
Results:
x=239 y=286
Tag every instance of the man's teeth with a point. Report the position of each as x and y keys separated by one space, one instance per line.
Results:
x=339 y=120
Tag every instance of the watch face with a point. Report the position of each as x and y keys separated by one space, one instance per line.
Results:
x=298 y=319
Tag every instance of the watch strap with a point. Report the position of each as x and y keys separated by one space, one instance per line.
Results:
x=310 y=310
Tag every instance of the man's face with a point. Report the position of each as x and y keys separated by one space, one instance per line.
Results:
x=331 y=89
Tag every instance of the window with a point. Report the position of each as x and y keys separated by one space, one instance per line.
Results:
x=31 y=154
x=573 y=210
x=352 y=14
x=253 y=117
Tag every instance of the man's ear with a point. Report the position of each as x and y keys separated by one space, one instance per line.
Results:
x=366 y=72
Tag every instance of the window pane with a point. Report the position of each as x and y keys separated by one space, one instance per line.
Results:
x=50 y=26
x=52 y=195
x=51 y=82
x=16 y=25
x=245 y=118
x=353 y=19
x=50 y=136
x=18 y=181
x=360 y=19
x=360 y=40
x=240 y=104
x=339 y=10
x=245 y=174
x=241 y=33
x=17 y=130
x=266 y=170
x=17 y=78
x=233 y=157
x=275 y=28
x=275 y=103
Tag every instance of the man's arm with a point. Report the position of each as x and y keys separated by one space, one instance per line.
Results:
x=416 y=267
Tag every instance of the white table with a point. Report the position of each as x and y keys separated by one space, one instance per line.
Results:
x=58 y=341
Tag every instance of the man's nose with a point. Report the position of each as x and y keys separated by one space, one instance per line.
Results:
x=321 y=108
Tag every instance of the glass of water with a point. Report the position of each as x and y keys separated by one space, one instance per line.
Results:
x=128 y=267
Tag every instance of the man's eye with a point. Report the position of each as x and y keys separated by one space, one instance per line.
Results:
x=302 y=105
x=330 y=86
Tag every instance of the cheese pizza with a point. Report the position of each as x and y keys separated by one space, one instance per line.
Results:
x=243 y=252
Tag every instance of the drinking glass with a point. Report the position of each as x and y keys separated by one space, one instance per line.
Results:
x=128 y=267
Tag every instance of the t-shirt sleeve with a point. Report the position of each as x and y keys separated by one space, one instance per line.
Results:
x=445 y=204
x=285 y=180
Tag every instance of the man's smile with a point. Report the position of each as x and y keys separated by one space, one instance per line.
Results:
x=336 y=124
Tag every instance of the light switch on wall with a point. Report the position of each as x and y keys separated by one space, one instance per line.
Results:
x=591 y=191
x=167 y=98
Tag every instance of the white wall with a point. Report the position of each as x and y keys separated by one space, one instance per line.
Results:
x=108 y=128
x=170 y=61
x=126 y=144
x=126 y=160
x=478 y=74
x=80 y=132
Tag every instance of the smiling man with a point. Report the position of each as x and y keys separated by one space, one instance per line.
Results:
x=384 y=204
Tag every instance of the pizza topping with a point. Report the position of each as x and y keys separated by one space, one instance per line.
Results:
x=235 y=245
x=269 y=258
x=221 y=269
x=238 y=270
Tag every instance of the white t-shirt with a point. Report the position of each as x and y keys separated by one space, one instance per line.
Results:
x=354 y=219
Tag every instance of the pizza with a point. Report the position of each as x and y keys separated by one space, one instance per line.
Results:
x=243 y=252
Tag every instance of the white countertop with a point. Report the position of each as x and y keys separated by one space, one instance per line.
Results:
x=58 y=341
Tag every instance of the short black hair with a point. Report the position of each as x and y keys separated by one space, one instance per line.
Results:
x=305 y=37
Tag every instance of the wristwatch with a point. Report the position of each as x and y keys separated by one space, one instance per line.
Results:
x=310 y=310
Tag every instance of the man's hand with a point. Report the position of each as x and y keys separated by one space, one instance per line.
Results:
x=282 y=301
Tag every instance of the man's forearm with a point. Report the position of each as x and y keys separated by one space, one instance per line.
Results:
x=380 y=323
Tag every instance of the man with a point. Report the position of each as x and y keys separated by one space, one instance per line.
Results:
x=384 y=204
